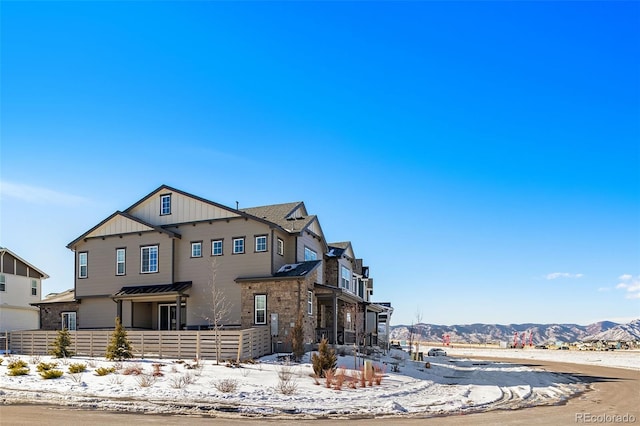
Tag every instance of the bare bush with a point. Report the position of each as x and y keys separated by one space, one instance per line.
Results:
x=182 y=381
x=35 y=359
x=226 y=385
x=145 y=380
x=76 y=377
x=132 y=370
x=116 y=379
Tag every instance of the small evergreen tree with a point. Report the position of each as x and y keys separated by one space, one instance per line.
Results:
x=324 y=360
x=297 y=338
x=60 y=346
x=119 y=347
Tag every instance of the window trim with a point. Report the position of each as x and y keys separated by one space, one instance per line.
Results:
x=193 y=245
x=157 y=250
x=83 y=255
x=310 y=250
x=70 y=314
x=280 y=247
x=266 y=243
x=163 y=211
x=34 y=287
x=255 y=309
x=213 y=242
x=3 y=282
x=122 y=262
x=343 y=279
x=233 y=244
x=309 y=302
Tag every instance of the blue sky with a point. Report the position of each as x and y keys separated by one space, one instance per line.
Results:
x=482 y=157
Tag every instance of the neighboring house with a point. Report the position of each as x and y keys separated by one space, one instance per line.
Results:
x=58 y=311
x=160 y=260
x=20 y=286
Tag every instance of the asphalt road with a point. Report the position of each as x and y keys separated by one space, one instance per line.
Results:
x=613 y=399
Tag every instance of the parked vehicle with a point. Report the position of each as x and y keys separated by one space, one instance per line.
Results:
x=436 y=352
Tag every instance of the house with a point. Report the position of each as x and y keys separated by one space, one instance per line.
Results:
x=167 y=262
x=58 y=311
x=20 y=286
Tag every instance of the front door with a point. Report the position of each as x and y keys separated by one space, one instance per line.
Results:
x=167 y=316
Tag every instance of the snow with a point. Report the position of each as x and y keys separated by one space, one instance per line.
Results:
x=459 y=383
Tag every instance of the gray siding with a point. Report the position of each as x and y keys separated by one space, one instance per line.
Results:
x=97 y=313
x=101 y=263
x=310 y=241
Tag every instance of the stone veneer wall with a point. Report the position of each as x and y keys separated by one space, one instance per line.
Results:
x=51 y=314
x=286 y=297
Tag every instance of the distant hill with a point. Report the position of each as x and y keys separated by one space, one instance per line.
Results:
x=542 y=333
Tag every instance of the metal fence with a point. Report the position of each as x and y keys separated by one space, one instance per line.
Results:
x=234 y=344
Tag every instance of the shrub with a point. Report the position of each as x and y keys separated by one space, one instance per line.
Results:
x=60 y=346
x=226 y=385
x=146 y=380
x=77 y=368
x=51 y=374
x=325 y=360
x=133 y=370
x=35 y=359
x=119 y=347
x=297 y=338
x=45 y=366
x=17 y=363
x=18 y=371
x=103 y=371
x=181 y=381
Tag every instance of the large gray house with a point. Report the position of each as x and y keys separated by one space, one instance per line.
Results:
x=162 y=264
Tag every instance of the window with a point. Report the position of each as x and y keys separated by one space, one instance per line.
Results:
x=82 y=265
x=120 y=261
x=260 y=303
x=310 y=254
x=196 y=249
x=280 y=247
x=261 y=243
x=238 y=245
x=149 y=259
x=3 y=283
x=165 y=204
x=34 y=287
x=310 y=302
x=69 y=320
x=345 y=278
x=216 y=248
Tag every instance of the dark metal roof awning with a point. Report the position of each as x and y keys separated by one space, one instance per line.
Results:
x=152 y=291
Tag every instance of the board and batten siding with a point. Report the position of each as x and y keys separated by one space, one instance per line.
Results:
x=118 y=225
x=101 y=263
x=226 y=268
x=183 y=209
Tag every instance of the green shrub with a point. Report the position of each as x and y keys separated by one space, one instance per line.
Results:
x=46 y=366
x=17 y=363
x=60 y=346
x=324 y=360
x=103 y=371
x=119 y=347
x=51 y=374
x=77 y=368
x=18 y=371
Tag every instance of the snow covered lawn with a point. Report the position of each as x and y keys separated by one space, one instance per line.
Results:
x=452 y=384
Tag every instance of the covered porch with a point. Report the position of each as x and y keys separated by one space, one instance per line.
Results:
x=153 y=307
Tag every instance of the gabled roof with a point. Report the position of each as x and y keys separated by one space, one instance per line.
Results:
x=30 y=266
x=291 y=217
x=297 y=269
x=62 y=297
x=340 y=249
x=138 y=225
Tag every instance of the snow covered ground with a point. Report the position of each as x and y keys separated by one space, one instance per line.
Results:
x=453 y=384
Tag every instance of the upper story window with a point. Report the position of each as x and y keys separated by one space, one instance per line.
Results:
x=260 y=310
x=165 y=204
x=310 y=254
x=261 y=243
x=280 y=247
x=3 y=283
x=216 y=248
x=82 y=265
x=148 y=259
x=345 y=278
x=196 y=249
x=310 y=302
x=34 y=287
x=238 y=245
x=120 y=261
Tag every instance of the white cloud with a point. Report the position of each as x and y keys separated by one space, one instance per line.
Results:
x=604 y=289
x=556 y=275
x=631 y=284
x=38 y=195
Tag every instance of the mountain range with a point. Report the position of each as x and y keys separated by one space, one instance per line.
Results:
x=539 y=333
